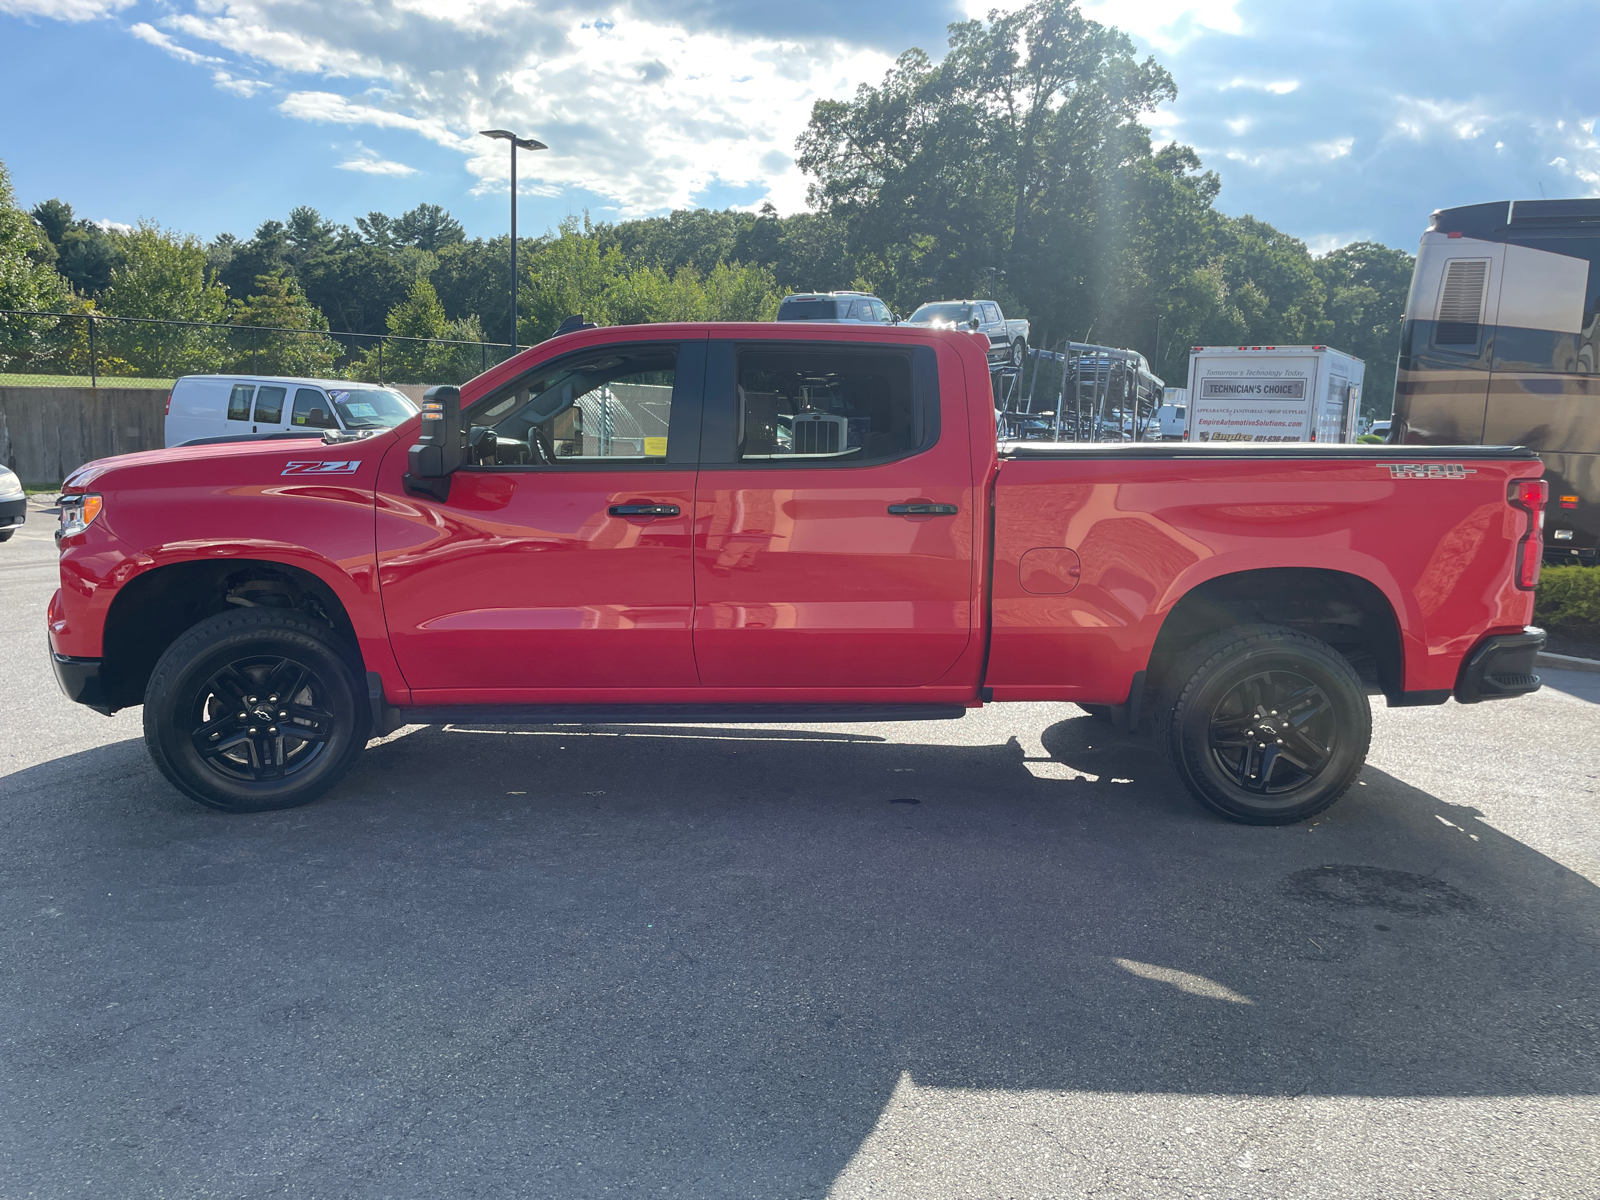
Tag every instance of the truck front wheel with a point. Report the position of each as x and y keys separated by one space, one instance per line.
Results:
x=1266 y=725
x=254 y=710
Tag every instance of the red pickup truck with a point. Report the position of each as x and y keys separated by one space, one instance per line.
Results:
x=759 y=523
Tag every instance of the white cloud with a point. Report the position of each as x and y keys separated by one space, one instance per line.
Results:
x=114 y=226
x=1324 y=243
x=239 y=87
x=369 y=163
x=1278 y=87
x=643 y=113
x=1165 y=24
x=64 y=10
x=149 y=33
x=1338 y=148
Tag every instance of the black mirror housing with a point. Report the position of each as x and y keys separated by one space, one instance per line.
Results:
x=441 y=446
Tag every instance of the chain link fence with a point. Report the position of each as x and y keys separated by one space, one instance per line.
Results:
x=41 y=349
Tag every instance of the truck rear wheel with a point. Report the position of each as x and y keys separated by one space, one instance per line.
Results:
x=254 y=710
x=1019 y=352
x=1266 y=725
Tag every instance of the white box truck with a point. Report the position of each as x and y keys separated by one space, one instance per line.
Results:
x=1273 y=394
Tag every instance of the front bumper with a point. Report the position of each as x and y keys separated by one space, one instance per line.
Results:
x=13 y=513
x=81 y=681
x=1500 y=666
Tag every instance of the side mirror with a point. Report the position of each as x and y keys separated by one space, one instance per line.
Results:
x=974 y=324
x=441 y=447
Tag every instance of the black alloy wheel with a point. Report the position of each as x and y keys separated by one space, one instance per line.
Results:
x=1265 y=725
x=1273 y=733
x=255 y=709
x=258 y=720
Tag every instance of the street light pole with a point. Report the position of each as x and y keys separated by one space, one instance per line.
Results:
x=526 y=144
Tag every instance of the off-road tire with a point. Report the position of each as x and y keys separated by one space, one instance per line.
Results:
x=325 y=730
x=1216 y=686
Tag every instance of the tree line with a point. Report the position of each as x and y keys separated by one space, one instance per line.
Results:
x=1015 y=167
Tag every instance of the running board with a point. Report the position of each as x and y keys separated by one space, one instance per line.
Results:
x=663 y=714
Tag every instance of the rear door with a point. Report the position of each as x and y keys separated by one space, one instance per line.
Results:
x=835 y=518
x=558 y=566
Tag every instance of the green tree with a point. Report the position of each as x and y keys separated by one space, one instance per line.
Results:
x=428 y=227
x=294 y=334
x=1367 y=284
x=403 y=358
x=163 y=277
x=26 y=282
x=84 y=253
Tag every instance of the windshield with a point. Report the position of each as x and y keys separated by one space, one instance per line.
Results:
x=956 y=313
x=371 y=408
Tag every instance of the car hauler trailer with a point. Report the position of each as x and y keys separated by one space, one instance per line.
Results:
x=1273 y=394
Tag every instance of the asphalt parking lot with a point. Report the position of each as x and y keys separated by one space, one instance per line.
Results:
x=999 y=957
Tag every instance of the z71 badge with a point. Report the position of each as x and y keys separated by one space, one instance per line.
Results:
x=1427 y=470
x=329 y=467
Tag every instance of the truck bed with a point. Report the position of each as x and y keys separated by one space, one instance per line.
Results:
x=1096 y=546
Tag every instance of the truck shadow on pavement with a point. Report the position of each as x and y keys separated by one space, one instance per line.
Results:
x=696 y=961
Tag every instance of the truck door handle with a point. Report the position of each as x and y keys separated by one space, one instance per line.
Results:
x=923 y=510
x=644 y=510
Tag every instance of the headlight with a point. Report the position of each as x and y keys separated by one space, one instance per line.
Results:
x=78 y=512
x=10 y=485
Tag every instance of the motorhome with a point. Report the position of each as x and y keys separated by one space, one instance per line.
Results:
x=1500 y=347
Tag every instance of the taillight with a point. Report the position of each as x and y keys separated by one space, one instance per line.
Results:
x=167 y=411
x=1530 y=495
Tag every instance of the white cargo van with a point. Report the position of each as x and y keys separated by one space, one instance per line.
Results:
x=1173 y=416
x=1273 y=394
x=206 y=407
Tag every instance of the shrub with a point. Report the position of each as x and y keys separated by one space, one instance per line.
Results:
x=1569 y=599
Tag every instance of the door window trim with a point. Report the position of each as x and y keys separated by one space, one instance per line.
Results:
x=683 y=419
x=719 y=430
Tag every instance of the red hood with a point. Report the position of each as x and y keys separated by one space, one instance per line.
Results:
x=89 y=472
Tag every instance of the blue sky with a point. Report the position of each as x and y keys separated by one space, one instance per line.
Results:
x=1333 y=120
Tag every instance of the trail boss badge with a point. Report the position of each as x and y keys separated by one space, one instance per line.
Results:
x=1427 y=470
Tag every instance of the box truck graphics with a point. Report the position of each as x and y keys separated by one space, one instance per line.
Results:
x=1279 y=394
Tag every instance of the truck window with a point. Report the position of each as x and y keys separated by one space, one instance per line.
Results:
x=269 y=404
x=824 y=406
x=606 y=406
x=312 y=410
x=239 y=401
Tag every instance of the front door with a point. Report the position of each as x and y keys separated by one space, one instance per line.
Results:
x=834 y=546
x=560 y=561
